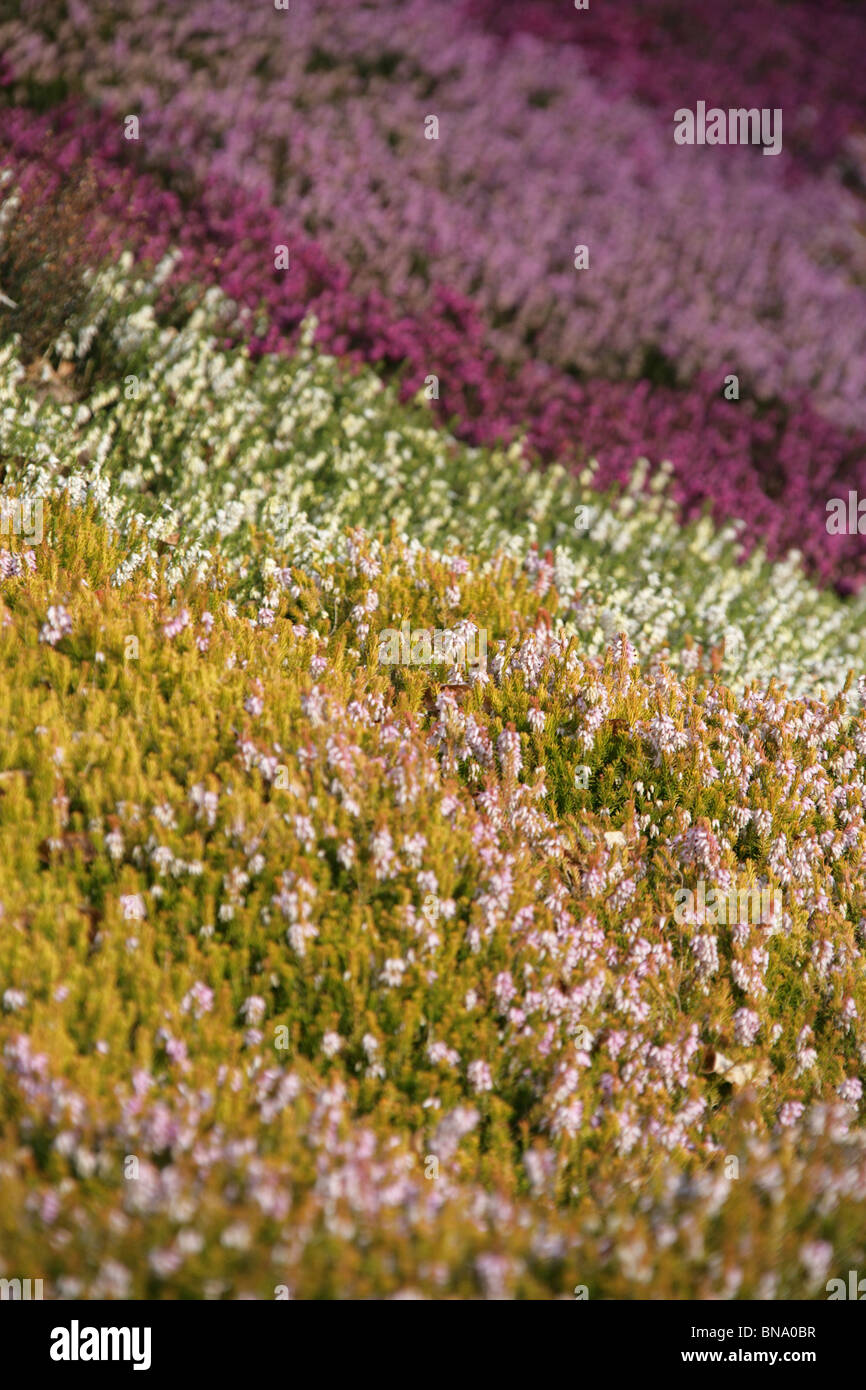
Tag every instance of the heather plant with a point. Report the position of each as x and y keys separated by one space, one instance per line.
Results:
x=709 y=265
x=771 y=465
x=283 y=926
x=760 y=53
x=432 y=786
x=44 y=252
x=198 y=444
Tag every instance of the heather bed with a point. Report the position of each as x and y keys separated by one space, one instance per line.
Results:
x=708 y=267
x=200 y=443
x=247 y=1001
x=758 y=52
x=323 y=976
x=280 y=927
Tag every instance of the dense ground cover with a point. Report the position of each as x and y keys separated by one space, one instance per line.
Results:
x=329 y=976
x=754 y=52
x=199 y=443
x=458 y=258
x=281 y=926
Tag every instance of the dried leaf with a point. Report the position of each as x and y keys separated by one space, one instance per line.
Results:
x=69 y=842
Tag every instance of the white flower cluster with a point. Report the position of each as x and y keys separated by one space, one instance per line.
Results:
x=210 y=444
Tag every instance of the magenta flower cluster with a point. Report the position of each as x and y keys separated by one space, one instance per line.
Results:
x=804 y=58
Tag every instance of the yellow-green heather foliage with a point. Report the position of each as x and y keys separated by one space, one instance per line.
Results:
x=323 y=976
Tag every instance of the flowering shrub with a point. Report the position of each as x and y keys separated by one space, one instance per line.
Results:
x=263 y=928
x=199 y=444
x=650 y=332
x=44 y=251
x=426 y=873
x=756 y=52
